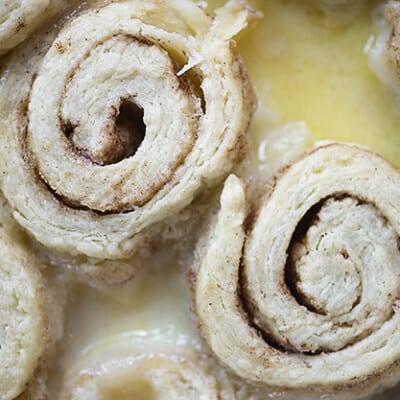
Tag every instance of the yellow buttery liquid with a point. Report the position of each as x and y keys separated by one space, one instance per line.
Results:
x=303 y=69
x=310 y=71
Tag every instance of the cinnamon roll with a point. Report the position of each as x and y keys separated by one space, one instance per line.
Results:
x=157 y=364
x=117 y=121
x=30 y=316
x=307 y=298
x=19 y=18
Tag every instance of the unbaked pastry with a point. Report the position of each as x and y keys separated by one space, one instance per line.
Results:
x=30 y=315
x=155 y=365
x=117 y=121
x=308 y=297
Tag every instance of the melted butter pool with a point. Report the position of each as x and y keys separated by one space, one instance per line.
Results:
x=308 y=70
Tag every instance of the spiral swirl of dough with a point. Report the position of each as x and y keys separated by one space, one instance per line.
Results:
x=309 y=299
x=30 y=316
x=133 y=108
x=152 y=365
x=19 y=18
